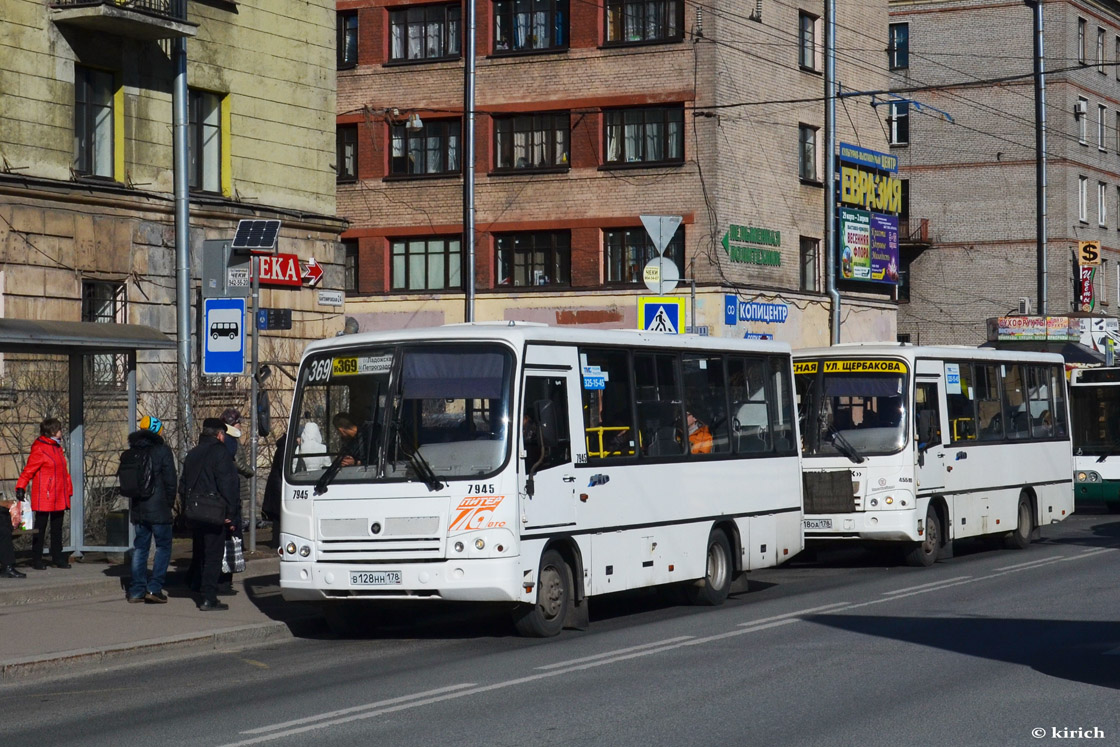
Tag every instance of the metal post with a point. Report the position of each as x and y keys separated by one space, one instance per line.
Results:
x=76 y=404
x=254 y=271
x=830 y=165
x=1040 y=158
x=182 y=242
x=468 y=155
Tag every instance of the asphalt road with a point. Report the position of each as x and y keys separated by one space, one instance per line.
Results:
x=849 y=649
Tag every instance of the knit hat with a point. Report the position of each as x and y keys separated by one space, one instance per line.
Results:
x=151 y=423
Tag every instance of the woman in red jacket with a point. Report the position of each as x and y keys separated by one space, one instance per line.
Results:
x=50 y=491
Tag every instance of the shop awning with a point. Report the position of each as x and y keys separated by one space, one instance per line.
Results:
x=1074 y=353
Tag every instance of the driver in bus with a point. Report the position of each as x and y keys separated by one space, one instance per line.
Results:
x=353 y=444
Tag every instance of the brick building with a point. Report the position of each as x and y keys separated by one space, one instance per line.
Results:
x=588 y=116
x=972 y=250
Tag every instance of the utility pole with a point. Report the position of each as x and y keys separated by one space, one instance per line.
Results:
x=1040 y=155
x=468 y=155
x=182 y=241
x=830 y=165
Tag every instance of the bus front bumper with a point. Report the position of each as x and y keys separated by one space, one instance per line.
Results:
x=879 y=526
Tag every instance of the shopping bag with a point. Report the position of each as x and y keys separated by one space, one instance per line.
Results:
x=233 y=559
x=14 y=514
x=26 y=515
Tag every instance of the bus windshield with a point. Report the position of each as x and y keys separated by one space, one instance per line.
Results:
x=1095 y=417
x=856 y=414
x=402 y=412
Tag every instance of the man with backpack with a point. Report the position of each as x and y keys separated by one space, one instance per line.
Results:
x=148 y=480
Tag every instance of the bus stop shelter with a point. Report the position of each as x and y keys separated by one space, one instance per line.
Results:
x=75 y=340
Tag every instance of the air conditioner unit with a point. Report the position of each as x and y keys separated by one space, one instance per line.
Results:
x=1024 y=306
x=1080 y=109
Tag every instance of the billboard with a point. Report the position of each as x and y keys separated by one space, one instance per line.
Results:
x=870 y=199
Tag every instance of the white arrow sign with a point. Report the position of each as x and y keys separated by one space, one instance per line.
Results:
x=661 y=229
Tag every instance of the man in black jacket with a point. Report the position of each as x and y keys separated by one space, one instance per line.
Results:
x=209 y=468
x=152 y=516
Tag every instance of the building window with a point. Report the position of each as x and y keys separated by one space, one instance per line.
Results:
x=347 y=27
x=350 y=265
x=205 y=137
x=627 y=251
x=810 y=264
x=654 y=135
x=1102 y=284
x=531 y=141
x=431 y=149
x=1100 y=50
x=527 y=25
x=104 y=303
x=1081 y=27
x=899 y=121
x=807 y=41
x=425 y=32
x=1118 y=132
x=898 y=54
x=1102 y=117
x=426 y=264
x=1081 y=114
x=346 y=168
x=93 y=122
x=1083 y=199
x=1117 y=66
x=630 y=21
x=527 y=259
x=1102 y=204
x=807 y=153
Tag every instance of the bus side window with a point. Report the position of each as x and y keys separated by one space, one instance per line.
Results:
x=607 y=419
x=962 y=415
x=544 y=388
x=926 y=410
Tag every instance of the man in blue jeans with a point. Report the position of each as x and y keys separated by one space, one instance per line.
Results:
x=152 y=516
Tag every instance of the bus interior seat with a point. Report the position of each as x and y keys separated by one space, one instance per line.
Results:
x=660 y=427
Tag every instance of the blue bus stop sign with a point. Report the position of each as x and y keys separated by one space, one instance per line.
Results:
x=223 y=334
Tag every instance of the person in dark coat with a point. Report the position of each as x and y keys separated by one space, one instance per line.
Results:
x=209 y=468
x=152 y=516
x=270 y=505
x=49 y=477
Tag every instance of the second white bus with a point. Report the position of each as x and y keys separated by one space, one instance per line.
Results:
x=924 y=445
x=1094 y=397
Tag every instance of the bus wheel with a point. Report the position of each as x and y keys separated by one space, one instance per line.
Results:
x=716 y=584
x=925 y=552
x=1021 y=536
x=554 y=599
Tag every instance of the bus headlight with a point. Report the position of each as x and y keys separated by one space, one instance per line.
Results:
x=458 y=547
x=304 y=551
x=1088 y=476
x=479 y=544
x=291 y=548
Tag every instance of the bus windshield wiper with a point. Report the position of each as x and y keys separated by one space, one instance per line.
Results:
x=329 y=473
x=842 y=445
x=419 y=464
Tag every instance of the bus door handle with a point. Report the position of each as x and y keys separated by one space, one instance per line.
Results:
x=569 y=478
x=962 y=455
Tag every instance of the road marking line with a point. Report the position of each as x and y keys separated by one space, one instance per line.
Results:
x=352 y=709
x=924 y=586
x=255 y=663
x=752 y=623
x=1040 y=561
x=616 y=652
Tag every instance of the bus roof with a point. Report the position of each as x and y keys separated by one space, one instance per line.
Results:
x=523 y=333
x=914 y=352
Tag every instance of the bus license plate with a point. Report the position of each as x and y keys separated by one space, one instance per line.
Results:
x=817 y=523
x=375 y=578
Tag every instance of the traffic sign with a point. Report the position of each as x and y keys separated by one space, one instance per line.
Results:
x=661 y=275
x=661 y=229
x=661 y=314
x=223 y=334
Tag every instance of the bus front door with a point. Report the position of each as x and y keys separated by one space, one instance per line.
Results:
x=547 y=476
x=931 y=445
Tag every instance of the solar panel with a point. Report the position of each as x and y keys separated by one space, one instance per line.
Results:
x=256 y=235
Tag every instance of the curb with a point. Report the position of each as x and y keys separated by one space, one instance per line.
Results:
x=213 y=640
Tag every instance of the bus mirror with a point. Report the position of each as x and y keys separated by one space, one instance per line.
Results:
x=545 y=411
x=927 y=429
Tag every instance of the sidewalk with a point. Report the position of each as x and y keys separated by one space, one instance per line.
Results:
x=59 y=619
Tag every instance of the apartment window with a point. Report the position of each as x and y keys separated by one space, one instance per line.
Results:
x=898 y=53
x=899 y=121
x=807 y=41
x=425 y=32
x=1117 y=66
x=347 y=28
x=528 y=259
x=104 y=303
x=431 y=149
x=654 y=135
x=1100 y=50
x=93 y=122
x=426 y=264
x=1083 y=199
x=1081 y=28
x=627 y=251
x=1118 y=132
x=1102 y=117
x=807 y=153
x=1102 y=204
x=346 y=168
x=204 y=135
x=1081 y=115
x=350 y=265
x=531 y=141
x=1102 y=285
x=810 y=264
x=630 y=21
x=527 y=25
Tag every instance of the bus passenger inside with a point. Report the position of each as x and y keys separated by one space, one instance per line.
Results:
x=699 y=435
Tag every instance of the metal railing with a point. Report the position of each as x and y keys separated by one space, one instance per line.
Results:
x=172 y=9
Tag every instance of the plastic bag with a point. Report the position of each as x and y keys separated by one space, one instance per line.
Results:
x=233 y=559
x=27 y=516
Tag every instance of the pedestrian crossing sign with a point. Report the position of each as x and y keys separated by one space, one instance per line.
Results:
x=661 y=314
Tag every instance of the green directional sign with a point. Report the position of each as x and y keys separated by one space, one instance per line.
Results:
x=749 y=245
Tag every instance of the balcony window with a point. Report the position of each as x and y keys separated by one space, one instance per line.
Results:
x=204 y=139
x=93 y=122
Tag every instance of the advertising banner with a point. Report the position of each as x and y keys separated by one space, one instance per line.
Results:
x=884 y=248
x=1086 y=298
x=855 y=244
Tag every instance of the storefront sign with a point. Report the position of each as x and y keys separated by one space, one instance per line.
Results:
x=1054 y=328
x=1085 y=295
x=736 y=310
x=747 y=245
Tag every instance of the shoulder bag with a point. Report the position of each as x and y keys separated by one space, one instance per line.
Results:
x=204 y=507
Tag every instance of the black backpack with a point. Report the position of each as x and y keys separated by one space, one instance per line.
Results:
x=136 y=474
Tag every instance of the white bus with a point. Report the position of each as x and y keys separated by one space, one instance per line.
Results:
x=925 y=445
x=536 y=467
x=1094 y=404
